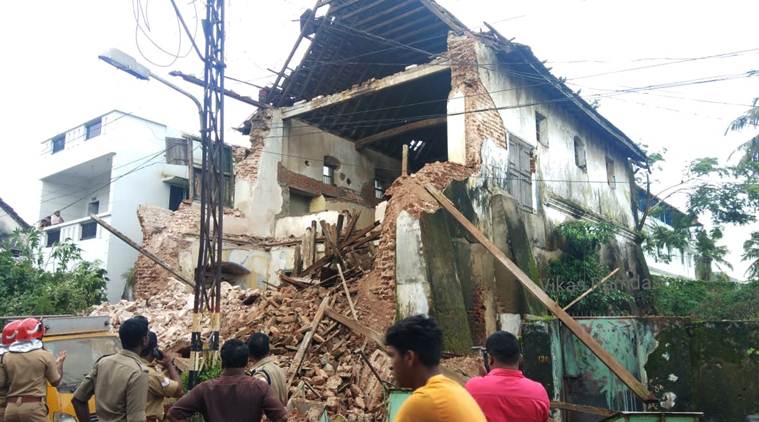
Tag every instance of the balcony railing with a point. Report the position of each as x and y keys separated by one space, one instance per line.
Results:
x=78 y=230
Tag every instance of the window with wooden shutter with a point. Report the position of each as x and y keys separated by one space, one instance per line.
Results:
x=611 y=177
x=519 y=174
x=580 y=159
x=540 y=129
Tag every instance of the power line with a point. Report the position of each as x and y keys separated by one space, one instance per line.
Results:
x=629 y=69
x=141 y=17
x=610 y=93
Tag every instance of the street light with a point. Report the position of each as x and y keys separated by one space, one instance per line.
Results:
x=123 y=61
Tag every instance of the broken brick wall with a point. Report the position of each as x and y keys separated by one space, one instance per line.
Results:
x=247 y=162
x=472 y=103
x=162 y=234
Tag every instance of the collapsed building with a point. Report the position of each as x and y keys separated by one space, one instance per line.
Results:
x=479 y=117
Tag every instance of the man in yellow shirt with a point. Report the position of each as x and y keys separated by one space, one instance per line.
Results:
x=415 y=345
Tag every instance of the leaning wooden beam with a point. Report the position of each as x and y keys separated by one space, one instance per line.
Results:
x=587 y=292
x=347 y=292
x=301 y=353
x=591 y=410
x=636 y=386
x=228 y=92
x=141 y=250
x=386 y=134
x=366 y=88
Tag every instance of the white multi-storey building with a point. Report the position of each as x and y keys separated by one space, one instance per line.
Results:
x=680 y=263
x=109 y=166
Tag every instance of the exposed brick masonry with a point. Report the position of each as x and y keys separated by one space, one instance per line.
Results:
x=248 y=167
x=465 y=80
x=406 y=193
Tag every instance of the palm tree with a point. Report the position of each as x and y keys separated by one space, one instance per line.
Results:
x=708 y=253
x=749 y=119
x=751 y=253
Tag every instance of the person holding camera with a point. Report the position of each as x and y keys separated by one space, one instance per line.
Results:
x=160 y=386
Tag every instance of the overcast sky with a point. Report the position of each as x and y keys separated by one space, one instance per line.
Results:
x=53 y=79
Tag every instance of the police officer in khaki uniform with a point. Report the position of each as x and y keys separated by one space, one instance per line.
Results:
x=120 y=380
x=160 y=387
x=265 y=366
x=29 y=367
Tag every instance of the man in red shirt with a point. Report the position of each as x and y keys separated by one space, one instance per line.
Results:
x=505 y=394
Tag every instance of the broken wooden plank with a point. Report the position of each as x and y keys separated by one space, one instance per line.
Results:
x=361 y=233
x=633 y=383
x=408 y=127
x=329 y=236
x=587 y=292
x=312 y=239
x=295 y=281
x=141 y=250
x=305 y=246
x=351 y=224
x=357 y=328
x=339 y=228
x=297 y=261
x=404 y=161
x=303 y=349
x=347 y=292
x=369 y=87
x=318 y=264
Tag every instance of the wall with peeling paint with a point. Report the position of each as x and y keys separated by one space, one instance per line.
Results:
x=706 y=366
x=556 y=165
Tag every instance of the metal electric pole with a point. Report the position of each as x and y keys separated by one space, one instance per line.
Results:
x=207 y=300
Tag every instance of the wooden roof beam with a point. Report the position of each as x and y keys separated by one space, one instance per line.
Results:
x=366 y=88
x=390 y=133
x=394 y=19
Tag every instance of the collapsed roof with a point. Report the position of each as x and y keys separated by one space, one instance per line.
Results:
x=356 y=41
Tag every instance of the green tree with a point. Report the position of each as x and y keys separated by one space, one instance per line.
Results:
x=63 y=283
x=749 y=120
x=751 y=253
x=709 y=253
x=749 y=151
x=579 y=267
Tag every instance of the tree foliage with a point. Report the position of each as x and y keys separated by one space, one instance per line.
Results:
x=751 y=254
x=725 y=194
x=706 y=300
x=34 y=284
x=579 y=268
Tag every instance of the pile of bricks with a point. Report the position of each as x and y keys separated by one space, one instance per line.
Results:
x=311 y=322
